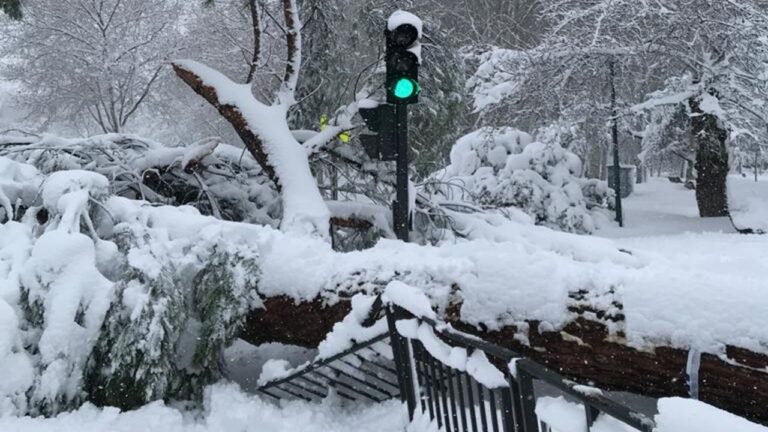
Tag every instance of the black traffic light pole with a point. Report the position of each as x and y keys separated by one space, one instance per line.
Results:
x=403 y=49
x=402 y=83
x=400 y=208
x=386 y=137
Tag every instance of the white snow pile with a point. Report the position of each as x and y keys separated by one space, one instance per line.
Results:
x=675 y=415
x=688 y=415
x=226 y=408
x=748 y=203
x=18 y=182
x=565 y=416
x=503 y=167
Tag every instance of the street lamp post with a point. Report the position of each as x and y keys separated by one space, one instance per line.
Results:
x=615 y=136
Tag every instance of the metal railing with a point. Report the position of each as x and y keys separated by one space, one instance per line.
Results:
x=457 y=402
x=391 y=365
x=364 y=372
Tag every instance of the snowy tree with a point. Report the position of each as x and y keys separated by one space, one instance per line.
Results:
x=667 y=137
x=749 y=154
x=218 y=179
x=264 y=129
x=93 y=62
x=278 y=149
x=11 y=7
x=712 y=49
x=483 y=23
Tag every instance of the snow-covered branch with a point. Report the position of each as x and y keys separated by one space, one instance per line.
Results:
x=265 y=132
x=287 y=92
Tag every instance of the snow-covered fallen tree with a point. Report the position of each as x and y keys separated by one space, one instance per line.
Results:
x=503 y=168
x=216 y=178
x=120 y=301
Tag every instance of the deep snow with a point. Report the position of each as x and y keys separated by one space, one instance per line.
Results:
x=227 y=409
x=748 y=202
x=702 y=279
x=699 y=289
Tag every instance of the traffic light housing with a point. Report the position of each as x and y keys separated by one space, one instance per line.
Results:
x=402 y=61
x=379 y=140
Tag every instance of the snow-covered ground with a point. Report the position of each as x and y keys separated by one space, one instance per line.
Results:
x=663 y=229
x=748 y=202
x=227 y=409
x=675 y=415
x=659 y=208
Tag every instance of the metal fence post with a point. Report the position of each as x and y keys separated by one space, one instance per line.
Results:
x=402 y=355
x=592 y=413
x=509 y=403
x=527 y=400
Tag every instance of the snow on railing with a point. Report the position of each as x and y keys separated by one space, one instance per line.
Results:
x=466 y=384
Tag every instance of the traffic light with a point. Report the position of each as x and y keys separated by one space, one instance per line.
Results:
x=402 y=60
x=379 y=139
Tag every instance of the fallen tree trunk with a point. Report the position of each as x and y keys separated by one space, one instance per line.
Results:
x=583 y=350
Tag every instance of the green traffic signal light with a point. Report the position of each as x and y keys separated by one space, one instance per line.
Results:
x=405 y=88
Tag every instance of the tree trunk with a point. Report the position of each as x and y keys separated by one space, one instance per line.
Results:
x=583 y=350
x=711 y=162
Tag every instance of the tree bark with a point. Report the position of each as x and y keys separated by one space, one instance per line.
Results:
x=711 y=162
x=583 y=350
x=252 y=142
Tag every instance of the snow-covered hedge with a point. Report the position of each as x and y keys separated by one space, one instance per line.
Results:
x=504 y=167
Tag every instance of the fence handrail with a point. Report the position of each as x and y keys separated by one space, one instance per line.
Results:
x=323 y=362
x=470 y=340
x=603 y=403
x=526 y=370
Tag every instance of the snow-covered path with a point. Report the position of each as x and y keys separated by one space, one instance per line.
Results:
x=660 y=207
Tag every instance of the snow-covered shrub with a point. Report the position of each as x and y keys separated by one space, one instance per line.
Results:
x=165 y=333
x=100 y=301
x=503 y=167
x=18 y=183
